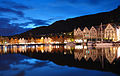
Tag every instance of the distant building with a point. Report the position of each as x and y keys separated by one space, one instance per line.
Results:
x=93 y=33
x=16 y=41
x=49 y=40
x=110 y=32
x=11 y=41
x=118 y=33
x=32 y=40
x=78 y=35
x=107 y=32
x=45 y=40
x=42 y=40
x=86 y=34
x=22 y=41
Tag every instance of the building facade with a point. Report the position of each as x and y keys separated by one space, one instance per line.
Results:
x=78 y=35
x=110 y=33
x=86 y=33
x=118 y=33
x=93 y=33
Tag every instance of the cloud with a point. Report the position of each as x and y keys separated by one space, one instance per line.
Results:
x=4 y=22
x=8 y=10
x=34 y=23
x=40 y=22
x=7 y=29
x=21 y=73
x=21 y=7
x=15 y=5
x=82 y=1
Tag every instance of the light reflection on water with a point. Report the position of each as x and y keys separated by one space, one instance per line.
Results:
x=36 y=60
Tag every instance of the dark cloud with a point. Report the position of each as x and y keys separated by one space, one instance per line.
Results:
x=72 y=1
x=56 y=18
x=22 y=73
x=93 y=2
x=12 y=30
x=21 y=7
x=7 y=28
x=15 y=5
x=8 y=10
x=4 y=22
x=40 y=22
x=36 y=22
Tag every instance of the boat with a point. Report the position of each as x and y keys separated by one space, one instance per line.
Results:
x=101 y=43
x=104 y=44
x=70 y=44
x=90 y=43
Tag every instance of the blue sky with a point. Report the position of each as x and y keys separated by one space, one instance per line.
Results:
x=17 y=16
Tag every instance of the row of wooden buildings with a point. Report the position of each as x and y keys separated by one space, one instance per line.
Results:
x=42 y=40
x=105 y=32
x=95 y=33
x=110 y=54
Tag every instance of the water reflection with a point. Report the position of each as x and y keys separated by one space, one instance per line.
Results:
x=106 y=59
x=79 y=51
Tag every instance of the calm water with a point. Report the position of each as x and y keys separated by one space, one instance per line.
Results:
x=59 y=61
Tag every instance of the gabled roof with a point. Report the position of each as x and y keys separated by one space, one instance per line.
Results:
x=99 y=26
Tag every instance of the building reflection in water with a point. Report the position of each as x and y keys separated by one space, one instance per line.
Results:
x=78 y=51
x=118 y=52
x=110 y=54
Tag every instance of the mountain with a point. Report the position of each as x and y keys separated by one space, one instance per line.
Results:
x=71 y=23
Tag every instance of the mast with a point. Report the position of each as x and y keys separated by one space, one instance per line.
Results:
x=101 y=33
x=102 y=59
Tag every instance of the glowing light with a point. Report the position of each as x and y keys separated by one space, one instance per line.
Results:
x=118 y=34
x=85 y=56
x=118 y=52
x=5 y=49
x=57 y=42
x=79 y=47
x=65 y=41
x=85 y=47
x=65 y=47
x=56 y=46
x=85 y=40
x=78 y=40
x=33 y=47
x=65 y=53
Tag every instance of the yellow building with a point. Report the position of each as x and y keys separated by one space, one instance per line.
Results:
x=110 y=32
x=93 y=33
x=107 y=32
x=78 y=35
x=118 y=33
x=86 y=34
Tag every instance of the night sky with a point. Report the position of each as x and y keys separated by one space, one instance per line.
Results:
x=17 y=16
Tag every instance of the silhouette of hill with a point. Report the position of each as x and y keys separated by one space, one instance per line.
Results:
x=71 y=23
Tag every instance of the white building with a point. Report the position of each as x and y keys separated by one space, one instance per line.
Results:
x=118 y=33
x=22 y=41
